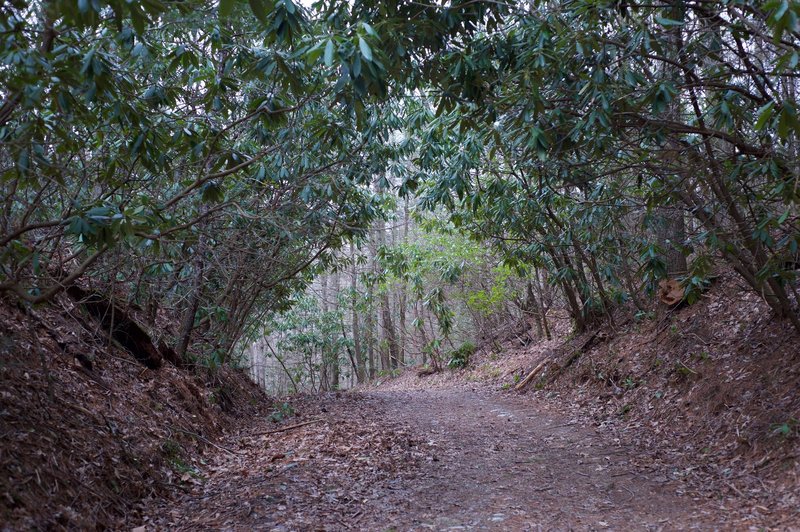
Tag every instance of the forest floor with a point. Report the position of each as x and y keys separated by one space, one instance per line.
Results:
x=455 y=458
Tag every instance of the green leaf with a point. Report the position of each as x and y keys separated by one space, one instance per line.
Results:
x=225 y=8
x=369 y=29
x=764 y=114
x=23 y=162
x=329 y=53
x=212 y=193
x=787 y=121
x=259 y=10
x=366 y=51
x=668 y=21
x=313 y=54
x=787 y=61
x=782 y=9
x=138 y=20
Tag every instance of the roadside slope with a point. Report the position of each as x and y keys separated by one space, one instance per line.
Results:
x=89 y=434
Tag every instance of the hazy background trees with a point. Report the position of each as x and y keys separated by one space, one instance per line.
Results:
x=412 y=292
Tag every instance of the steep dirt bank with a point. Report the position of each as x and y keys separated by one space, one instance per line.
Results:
x=87 y=432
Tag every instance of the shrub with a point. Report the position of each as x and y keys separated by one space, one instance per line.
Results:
x=459 y=358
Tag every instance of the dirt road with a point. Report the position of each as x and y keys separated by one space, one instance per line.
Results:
x=452 y=459
x=507 y=465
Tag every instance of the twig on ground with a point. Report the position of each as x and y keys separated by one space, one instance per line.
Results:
x=290 y=427
x=205 y=440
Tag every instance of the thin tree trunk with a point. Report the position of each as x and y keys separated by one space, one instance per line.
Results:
x=361 y=370
x=369 y=322
x=187 y=322
x=389 y=356
x=403 y=296
x=334 y=357
x=540 y=290
x=423 y=338
x=532 y=307
x=670 y=225
x=324 y=355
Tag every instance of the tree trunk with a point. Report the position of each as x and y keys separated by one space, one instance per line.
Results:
x=324 y=354
x=423 y=338
x=403 y=296
x=670 y=233
x=334 y=356
x=575 y=310
x=539 y=284
x=187 y=322
x=670 y=226
x=361 y=369
x=532 y=308
x=390 y=355
x=369 y=322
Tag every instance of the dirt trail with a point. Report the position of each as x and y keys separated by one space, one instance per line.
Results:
x=511 y=466
x=450 y=459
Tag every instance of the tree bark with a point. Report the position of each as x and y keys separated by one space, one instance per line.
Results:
x=324 y=354
x=540 y=290
x=670 y=233
x=369 y=322
x=334 y=356
x=187 y=322
x=532 y=307
x=390 y=355
x=670 y=225
x=361 y=369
